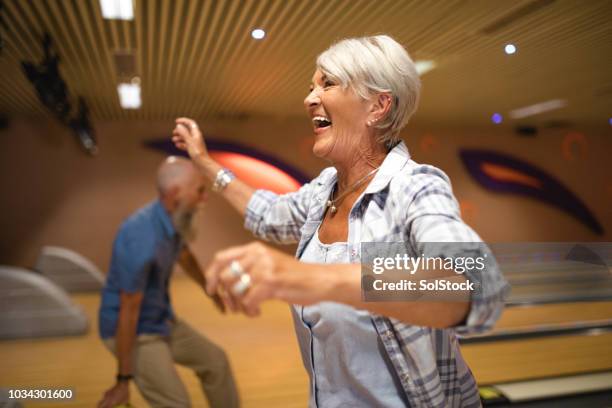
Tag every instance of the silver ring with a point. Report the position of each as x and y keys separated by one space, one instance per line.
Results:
x=242 y=285
x=236 y=270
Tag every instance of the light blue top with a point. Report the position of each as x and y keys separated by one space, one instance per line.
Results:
x=345 y=359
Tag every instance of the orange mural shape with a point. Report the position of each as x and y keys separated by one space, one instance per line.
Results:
x=502 y=173
x=429 y=143
x=469 y=210
x=257 y=173
x=574 y=141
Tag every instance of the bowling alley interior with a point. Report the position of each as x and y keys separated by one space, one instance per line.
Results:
x=110 y=109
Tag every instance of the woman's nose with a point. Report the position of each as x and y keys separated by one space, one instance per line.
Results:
x=312 y=99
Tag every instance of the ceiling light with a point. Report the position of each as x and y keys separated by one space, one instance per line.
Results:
x=510 y=49
x=129 y=95
x=117 y=9
x=537 y=108
x=424 y=66
x=258 y=33
x=497 y=118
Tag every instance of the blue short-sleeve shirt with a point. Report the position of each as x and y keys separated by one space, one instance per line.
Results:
x=144 y=253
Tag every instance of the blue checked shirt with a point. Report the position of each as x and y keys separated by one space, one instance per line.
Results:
x=405 y=202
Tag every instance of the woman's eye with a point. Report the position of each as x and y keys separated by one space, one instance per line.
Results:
x=328 y=83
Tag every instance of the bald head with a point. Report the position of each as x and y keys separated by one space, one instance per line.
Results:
x=175 y=172
x=181 y=191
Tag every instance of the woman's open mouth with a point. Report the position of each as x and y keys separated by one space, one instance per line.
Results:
x=321 y=124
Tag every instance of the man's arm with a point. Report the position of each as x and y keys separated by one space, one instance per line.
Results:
x=192 y=268
x=129 y=310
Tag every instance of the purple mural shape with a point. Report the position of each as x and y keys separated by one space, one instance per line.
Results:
x=547 y=189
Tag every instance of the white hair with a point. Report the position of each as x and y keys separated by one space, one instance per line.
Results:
x=372 y=65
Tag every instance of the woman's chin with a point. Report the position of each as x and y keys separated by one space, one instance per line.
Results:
x=321 y=149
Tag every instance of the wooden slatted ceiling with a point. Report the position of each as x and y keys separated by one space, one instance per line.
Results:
x=197 y=57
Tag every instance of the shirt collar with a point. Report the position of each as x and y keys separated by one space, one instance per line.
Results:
x=393 y=163
x=162 y=215
x=395 y=160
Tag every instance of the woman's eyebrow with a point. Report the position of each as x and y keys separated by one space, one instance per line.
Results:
x=323 y=79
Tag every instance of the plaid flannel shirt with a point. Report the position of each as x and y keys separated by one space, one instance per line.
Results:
x=405 y=202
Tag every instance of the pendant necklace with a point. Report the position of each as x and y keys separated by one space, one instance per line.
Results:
x=331 y=204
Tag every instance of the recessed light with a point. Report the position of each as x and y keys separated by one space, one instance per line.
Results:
x=129 y=95
x=510 y=49
x=537 y=108
x=497 y=118
x=258 y=33
x=117 y=9
x=424 y=66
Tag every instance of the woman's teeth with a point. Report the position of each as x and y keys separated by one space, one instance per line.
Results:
x=321 y=122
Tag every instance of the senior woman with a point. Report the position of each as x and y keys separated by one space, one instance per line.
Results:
x=357 y=353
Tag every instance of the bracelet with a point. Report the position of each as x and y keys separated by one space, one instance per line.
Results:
x=124 y=377
x=224 y=177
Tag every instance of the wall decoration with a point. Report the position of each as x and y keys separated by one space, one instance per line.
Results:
x=469 y=210
x=429 y=143
x=574 y=145
x=258 y=169
x=506 y=174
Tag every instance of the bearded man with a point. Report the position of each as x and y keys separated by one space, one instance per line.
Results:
x=136 y=320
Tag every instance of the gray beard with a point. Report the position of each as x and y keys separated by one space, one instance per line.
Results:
x=182 y=220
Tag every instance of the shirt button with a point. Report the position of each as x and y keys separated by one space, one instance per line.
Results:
x=405 y=377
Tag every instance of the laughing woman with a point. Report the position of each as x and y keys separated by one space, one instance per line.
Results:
x=357 y=353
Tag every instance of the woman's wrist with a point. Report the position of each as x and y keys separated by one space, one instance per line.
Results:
x=208 y=166
x=202 y=160
x=307 y=283
x=341 y=283
x=296 y=282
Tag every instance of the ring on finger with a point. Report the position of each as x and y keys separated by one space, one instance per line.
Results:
x=243 y=284
x=236 y=270
x=194 y=125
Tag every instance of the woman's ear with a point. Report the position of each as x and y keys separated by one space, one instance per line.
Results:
x=381 y=107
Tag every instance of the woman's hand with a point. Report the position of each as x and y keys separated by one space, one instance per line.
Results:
x=187 y=136
x=247 y=275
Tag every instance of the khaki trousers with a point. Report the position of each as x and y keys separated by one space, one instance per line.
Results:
x=156 y=376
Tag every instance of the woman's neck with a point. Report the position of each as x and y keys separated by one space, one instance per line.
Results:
x=357 y=167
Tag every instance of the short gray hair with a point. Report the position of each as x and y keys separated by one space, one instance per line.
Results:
x=371 y=65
